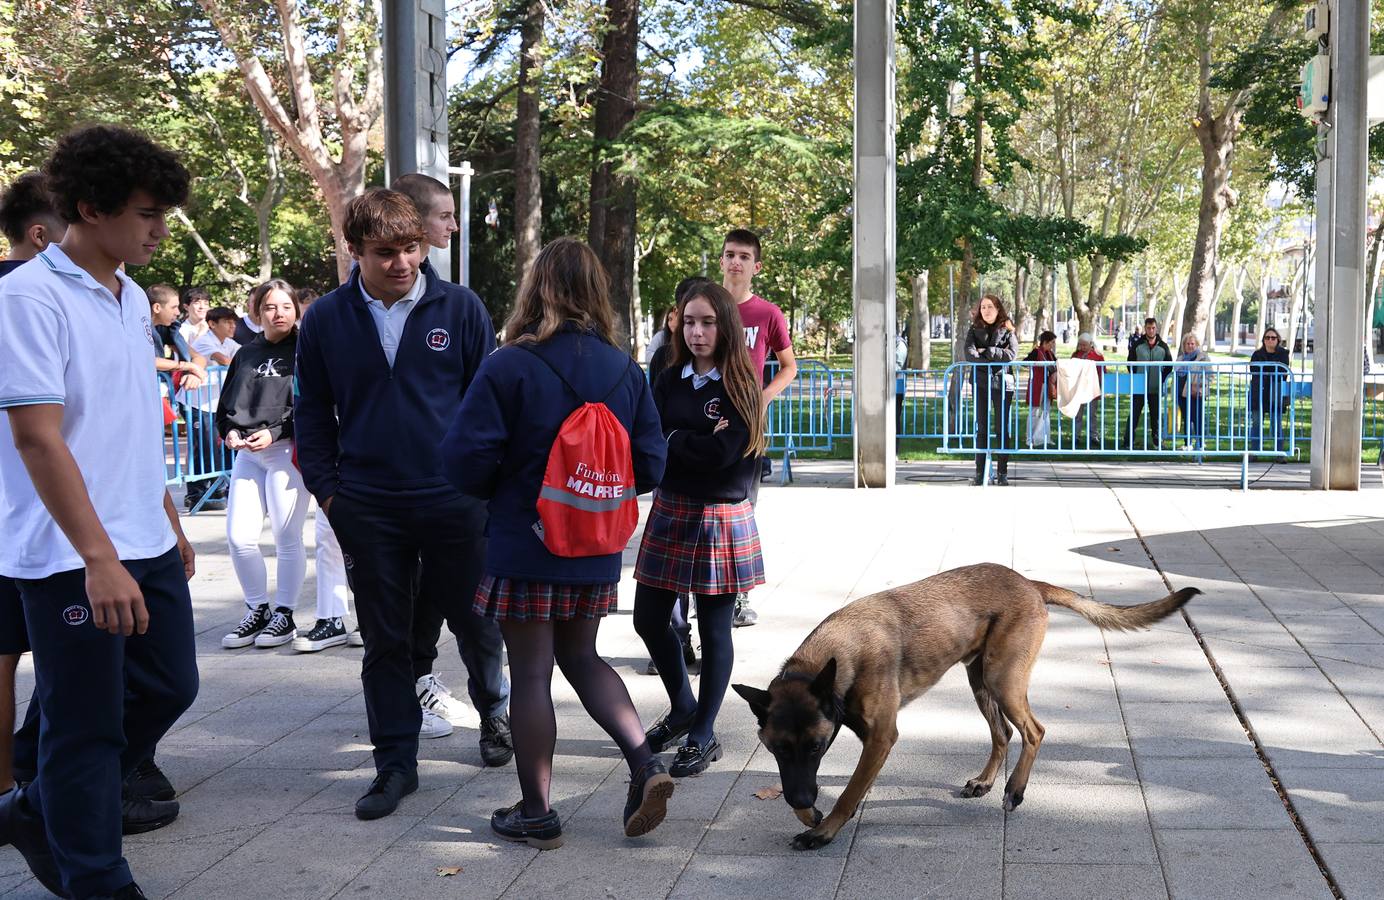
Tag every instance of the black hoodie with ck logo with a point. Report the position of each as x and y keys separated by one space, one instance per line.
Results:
x=258 y=391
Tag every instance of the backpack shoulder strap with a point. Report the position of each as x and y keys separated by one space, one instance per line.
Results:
x=552 y=368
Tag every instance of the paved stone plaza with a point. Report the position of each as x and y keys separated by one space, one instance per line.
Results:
x=1146 y=786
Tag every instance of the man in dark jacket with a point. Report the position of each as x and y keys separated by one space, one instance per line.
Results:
x=383 y=362
x=1151 y=349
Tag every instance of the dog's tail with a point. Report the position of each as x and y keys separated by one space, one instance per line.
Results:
x=1117 y=618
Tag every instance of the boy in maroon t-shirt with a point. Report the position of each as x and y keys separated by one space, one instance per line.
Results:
x=766 y=331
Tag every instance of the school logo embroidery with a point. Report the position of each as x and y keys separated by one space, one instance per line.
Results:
x=347 y=561
x=439 y=339
x=712 y=409
x=75 y=615
x=148 y=330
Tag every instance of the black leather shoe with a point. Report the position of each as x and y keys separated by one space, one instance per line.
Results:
x=497 y=747
x=693 y=759
x=139 y=816
x=543 y=832
x=147 y=782
x=130 y=891
x=646 y=805
x=665 y=731
x=384 y=795
x=22 y=827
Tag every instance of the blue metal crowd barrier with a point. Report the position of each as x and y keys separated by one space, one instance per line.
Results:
x=193 y=452
x=1180 y=409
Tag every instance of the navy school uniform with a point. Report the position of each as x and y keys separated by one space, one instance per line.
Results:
x=367 y=439
x=497 y=449
x=701 y=536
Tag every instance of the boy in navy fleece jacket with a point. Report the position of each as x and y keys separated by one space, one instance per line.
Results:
x=383 y=362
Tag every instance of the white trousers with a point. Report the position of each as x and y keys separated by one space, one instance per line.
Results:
x=267 y=482
x=331 y=572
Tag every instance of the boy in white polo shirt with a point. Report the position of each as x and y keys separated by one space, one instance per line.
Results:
x=92 y=537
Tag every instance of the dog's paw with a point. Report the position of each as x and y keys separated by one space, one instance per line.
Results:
x=1012 y=800
x=976 y=788
x=811 y=840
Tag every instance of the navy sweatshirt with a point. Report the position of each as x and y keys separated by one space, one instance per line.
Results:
x=372 y=432
x=258 y=390
x=497 y=447
x=709 y=467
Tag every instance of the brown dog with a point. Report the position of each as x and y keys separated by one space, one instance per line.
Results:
x=869 y=658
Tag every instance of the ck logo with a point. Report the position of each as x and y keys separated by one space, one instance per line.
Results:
x=268 y=369
x=76 y=615
x=439 y=339
x=712 y=409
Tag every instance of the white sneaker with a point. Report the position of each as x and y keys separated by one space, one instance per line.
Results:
x=433 y=696
x=434 y=726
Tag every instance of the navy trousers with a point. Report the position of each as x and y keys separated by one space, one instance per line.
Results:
x=399 y=559
x=106 y=701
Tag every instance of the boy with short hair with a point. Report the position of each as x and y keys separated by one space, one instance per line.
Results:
x=766 y=331
x=92 y=535
x=218 y=344
x=440 y=708
x=383 y=361
x=188 y=370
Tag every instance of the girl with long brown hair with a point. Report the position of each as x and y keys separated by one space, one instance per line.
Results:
x=558 y=354
x=991 y=341
x=701 y=536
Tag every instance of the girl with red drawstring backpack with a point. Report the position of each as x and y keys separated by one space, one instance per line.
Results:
x=559 y=433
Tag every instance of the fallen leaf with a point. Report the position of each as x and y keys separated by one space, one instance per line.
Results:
x=447 y=871
x=769 y=793
x=1113 y=549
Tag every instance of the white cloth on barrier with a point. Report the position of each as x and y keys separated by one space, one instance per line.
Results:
x=1078 y=383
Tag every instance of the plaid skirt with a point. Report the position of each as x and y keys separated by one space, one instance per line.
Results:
x=701 y=548
x=539 y=601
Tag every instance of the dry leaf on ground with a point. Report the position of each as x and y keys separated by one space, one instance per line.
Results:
x=769 y=793
x=445 y=871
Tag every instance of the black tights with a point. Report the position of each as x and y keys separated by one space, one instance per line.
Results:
x=532 y=648
x=653 y=611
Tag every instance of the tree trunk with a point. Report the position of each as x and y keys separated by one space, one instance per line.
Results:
x=1023 y=319
x=1236 y=308
x=919 y=329
x=1216 y=135
x=612 y=229
x=340 y=178
x=1295 y=302
x=1044 y=310
x=528 y=196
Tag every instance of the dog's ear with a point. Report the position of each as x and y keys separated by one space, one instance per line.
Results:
x=824 y=685
x=759 y=700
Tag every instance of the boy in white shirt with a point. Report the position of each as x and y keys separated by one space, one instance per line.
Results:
x=218 y=344
x=92 y=536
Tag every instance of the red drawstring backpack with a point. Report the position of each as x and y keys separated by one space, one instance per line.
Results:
x=587 y=504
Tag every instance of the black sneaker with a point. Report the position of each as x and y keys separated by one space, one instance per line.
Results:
x=497 y=747
x=326 y=633
x=139 y=816
x=543 y=832
x=651 y=668
x=244 y=635
x=665 y=731
x=1002 y=480
x=689 y=656
x=147 y=782
x=279 y=631
x=647 y=802
x=384 y=794
x=693 y=758
x=130 y=891
x=22 y=827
